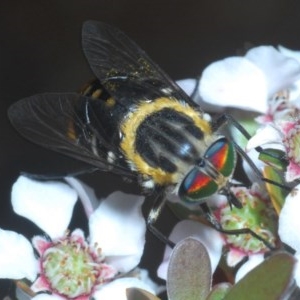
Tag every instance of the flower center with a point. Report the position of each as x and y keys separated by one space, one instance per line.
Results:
x=292 y=143
x=72 y=269
x=256 y=215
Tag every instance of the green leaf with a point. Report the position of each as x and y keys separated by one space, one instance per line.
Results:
x=276 y=193
x=219 y=291
x=139 y=294
x=274 y=158
x=268 y=281
x=189 y=273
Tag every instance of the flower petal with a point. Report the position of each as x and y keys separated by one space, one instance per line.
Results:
x=289 y=53
x=22 y=295
x=47 y=297
x=41 y=201
x=234 y=256
x=143 y=275
x=118 y=228
x=254 y=155
x=41 y=284
x=117 y=289
x=289 y=221
x=86 y=195
x=236 y=82
x=280 y=71
x=40 y=244
x=209 y=237
x=295 y=89
x=253 y=261
x=188 y=85
x=265 y=135
x=292 y=172
x=17 y=258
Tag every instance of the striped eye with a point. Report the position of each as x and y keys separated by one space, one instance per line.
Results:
x=197 y=185
x=222 y=155
x=202 y=181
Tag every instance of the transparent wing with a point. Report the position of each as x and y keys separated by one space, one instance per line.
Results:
x=58 y=122
x=124 y=69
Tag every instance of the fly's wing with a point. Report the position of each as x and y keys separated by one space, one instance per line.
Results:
x=77 y=126
x=124 y=69
x=58 y=122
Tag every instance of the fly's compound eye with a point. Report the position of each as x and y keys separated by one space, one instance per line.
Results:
x=212 y=175
x=197 y=185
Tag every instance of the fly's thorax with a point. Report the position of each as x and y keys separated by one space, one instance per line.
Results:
x=162 y=139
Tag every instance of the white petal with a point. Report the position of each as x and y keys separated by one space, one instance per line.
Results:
x=188 y=85
x=280 y=71
x=289 y=53
x=236 y=82
x=253 y=261
x=47 y=297
x=86 y=195
x=289 y=221
x=254 y=157
x=17 y=258
x=265 y=135
x=234 y=256
x=295 y=89
x=143 y=275
x=48 y=204
x=117 y=289
x=118 y=227
x=208 y=236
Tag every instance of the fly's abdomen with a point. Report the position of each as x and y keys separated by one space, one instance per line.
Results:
x=163 y=138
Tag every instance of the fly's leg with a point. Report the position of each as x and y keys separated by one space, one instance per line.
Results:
x=217 y=226
x=224 y=120
x=154 y=214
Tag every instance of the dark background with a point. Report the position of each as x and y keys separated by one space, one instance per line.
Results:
x=40 y=51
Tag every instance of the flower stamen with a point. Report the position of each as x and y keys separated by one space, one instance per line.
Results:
x=70 y=268
x=255 y=215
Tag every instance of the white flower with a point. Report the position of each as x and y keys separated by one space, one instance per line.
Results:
x=14 y=248
x=289 y=224
x=114 y=290
x=284 y=136
x=117 y=288
x=209 y=237
x=248 y=82
x=117 y=236
x=288 y=230
x=265 y=80
x=255 y=212
x=188 y=85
